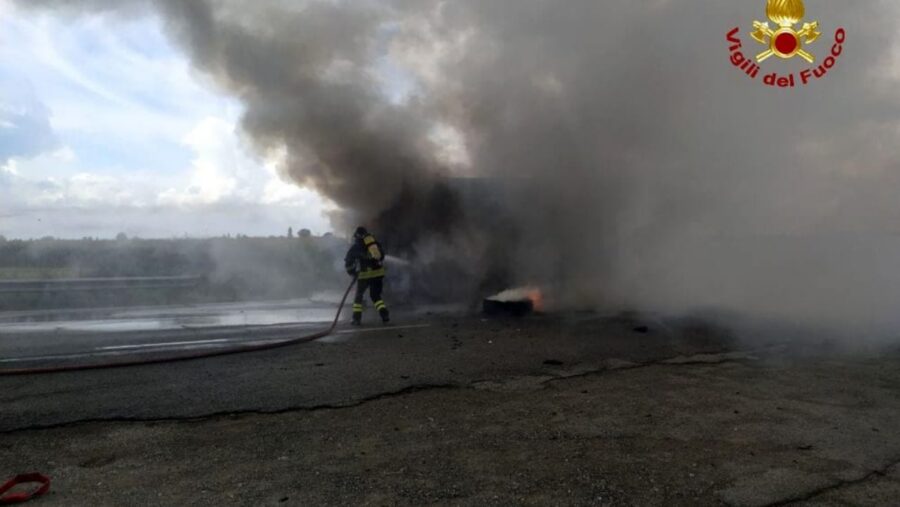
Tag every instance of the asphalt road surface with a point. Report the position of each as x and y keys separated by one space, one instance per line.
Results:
x=351 y=364
x=448 y=408
x=49 y=338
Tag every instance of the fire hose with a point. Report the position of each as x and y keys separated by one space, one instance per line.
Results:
x=240 y=349
x=43 y=481
x=7 y=498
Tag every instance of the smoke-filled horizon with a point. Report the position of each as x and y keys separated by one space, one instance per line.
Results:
x=656 y=174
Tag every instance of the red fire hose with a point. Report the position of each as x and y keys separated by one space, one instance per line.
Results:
x=189 y=357
x=23 y=496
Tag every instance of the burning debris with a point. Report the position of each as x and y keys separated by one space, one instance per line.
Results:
x=514 y=302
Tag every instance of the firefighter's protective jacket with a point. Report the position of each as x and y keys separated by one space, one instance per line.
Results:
x=366 y=257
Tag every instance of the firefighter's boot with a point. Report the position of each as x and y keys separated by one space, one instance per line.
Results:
x=357 y=315
x=383 y=311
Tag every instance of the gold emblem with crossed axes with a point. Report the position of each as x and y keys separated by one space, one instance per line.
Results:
x=784 y=41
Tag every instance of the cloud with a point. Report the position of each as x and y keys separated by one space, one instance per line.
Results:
x=224 y=171
x=102 y=119
x=25 y=129
x=26 y=184
x=219 y=170
x=223 y=180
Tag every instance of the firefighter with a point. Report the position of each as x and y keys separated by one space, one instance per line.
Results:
x=365 y=260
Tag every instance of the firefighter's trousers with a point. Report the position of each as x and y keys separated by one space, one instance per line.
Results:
x=374 y=286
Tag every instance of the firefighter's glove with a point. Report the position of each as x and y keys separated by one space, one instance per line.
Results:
x=352 y=272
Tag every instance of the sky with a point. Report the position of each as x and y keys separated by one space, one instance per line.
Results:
x=106 y=128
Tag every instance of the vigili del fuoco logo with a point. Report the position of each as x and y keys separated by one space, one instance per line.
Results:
x=785 y=41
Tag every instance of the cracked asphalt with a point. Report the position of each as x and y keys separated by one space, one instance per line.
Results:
x=554 y=410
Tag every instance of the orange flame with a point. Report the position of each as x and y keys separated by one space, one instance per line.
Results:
x=531 y=293
x=537 y=299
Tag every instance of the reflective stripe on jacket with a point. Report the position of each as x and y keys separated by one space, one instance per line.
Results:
x=370 y=274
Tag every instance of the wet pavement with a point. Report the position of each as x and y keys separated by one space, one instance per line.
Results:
x=163 y=318
x=30 y=339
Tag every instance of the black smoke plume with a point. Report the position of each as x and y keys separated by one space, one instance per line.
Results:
x=623 y=160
